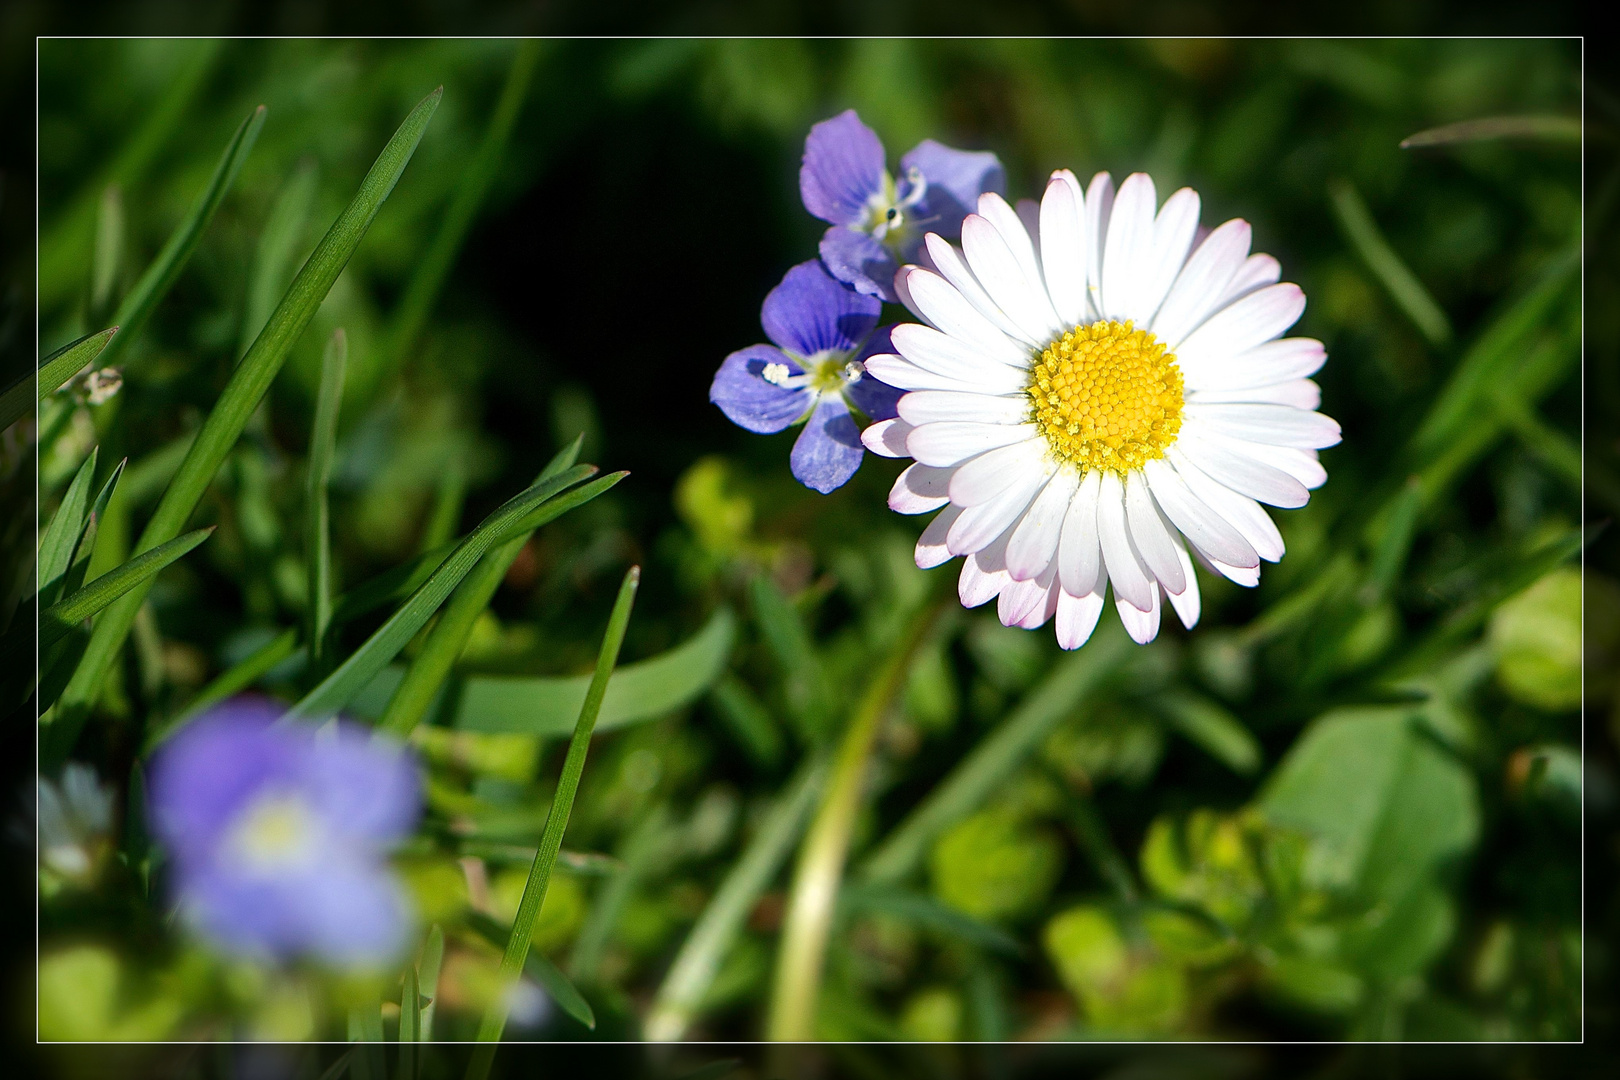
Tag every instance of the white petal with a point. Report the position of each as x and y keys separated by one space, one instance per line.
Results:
x=903 y=290
x=944 y=308
x=1240 y=326
x=1302 y=465
x=1126 y=572
x=1126 y=250
x=988 y=522
x=1063 y=246
x=1079 y=555
x=1148 y=534
x=1201 y=282
x=990 y=475
x=933 y=351
x=1203 y=525
x=1246 y=576
x=931 y=549
x=967 y=281
x=887 y=438
x=994 y=209
x=1173 y=232
x=1274 y=425
x=919 y=489
x=1240 y=472
x=1273 y=362
x=905 y=375
x=1027 y=604
x=952 y=442
x=1246 y=515
x=1034 y=543
x=1077 y=618
x=1143 y=626
x=1188 y=604
x=1256 y=271
x=1297 y=393
x=983 y=576
x=1099 y=209
x=932 y=406
x=1007 y=282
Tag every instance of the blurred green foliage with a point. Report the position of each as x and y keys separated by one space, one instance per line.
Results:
x=1345 y=806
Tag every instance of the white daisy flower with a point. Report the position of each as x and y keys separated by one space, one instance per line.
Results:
x=1098 y=394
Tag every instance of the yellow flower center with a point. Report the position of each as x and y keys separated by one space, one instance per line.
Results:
x=1107 y=396
x=275 y=833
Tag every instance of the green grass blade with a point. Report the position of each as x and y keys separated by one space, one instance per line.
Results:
x=748 y=720
x=390 y=586
x=562 y=804
x=449 y=635
x=79 y=564
x=19 y=399
x=233 y=410
x=1555 y=129
x=997 y=757
x=785 y=635
x=651 y=841
x=161 y=275
x=447 y=504
x=62 y=616
x=427 y=979
x=350 y=677
x=561 y=988
x=924 y=911
x=279 y=244
x=339 y=1066
x=317 y=519
x=229 y=683
x=1392 y=273
x=639 y=691
x=555 y=509
x=1394 y=544
x=1214 y=730
x=410 y=1004
x=435 y=264
x=108 y=254
x=61 y=535
x=681 y=994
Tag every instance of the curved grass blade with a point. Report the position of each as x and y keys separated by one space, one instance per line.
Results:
x=561 y=989
x=19 y=399
x=62 y=616
x=555 y=509
x=61 y=536
x=229 y=683
x=997 y=757
x=1392 y=273
x=159 y=277
x=639 y=691
x=681 y=994
x=277 y=248
x=1563 y=129
x=317 y=520
x=233 y=410
x=336 y=690
x=562 y=804
x=449 y=634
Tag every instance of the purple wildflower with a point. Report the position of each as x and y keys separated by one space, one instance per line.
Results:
x=278 y=832
x=877 y=222
x=823 y=331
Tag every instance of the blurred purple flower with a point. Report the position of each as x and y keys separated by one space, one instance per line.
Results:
x=278 y=834
x=877 y=223
x=823 y=331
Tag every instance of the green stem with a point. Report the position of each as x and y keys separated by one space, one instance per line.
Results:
x=820 y=868
x=562 y=804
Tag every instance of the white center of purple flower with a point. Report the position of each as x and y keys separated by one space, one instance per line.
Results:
x=886 y=211
x=276 y=832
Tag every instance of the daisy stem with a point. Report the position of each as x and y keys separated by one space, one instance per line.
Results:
x=562 y=804
x=820 y=869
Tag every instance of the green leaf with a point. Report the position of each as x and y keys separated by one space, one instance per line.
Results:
x=229 y=683
x=1392 y=273
x=1215 y=730
x=280 y=242
x=232 y=412
x=977 y=776
x=561 y=989
x=61 y=537
x=925 y=911
x=639 y=691
x=340 y=687
x=19 y=399
x=562 y=805
x=1560 y=129
x=317 y=520
x=62 y=616
x=160 y=277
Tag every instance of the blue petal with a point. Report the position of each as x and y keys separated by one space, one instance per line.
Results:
x=811 y=312
x=748 y=401
x=843 y=168
x=829 y=449
x=860 y=261
x=956 y=179
x=366 y=789
x=874 y=397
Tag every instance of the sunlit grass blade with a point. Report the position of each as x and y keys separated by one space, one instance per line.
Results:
x=925 y=912
x=427 y=980
x=362 y=665
x=1213 y=729
x=1555 y=129
x=1391 y=271
x=62 y=616
x=317 y=514
x=233 y=410
x=61 y=535
x=680 y=996
x=160 y=276
x=448 y=637
x=562 y=805
x=978 y=775
x=279 y=245
x=435 y=264
x=19 y=399
x=235 y=679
